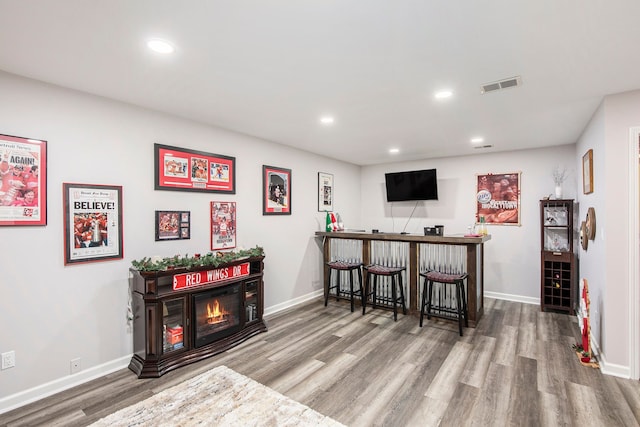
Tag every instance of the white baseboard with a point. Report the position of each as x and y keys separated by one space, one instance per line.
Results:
x=292 y=303
x=609 y=368
x=25 y=397
x=511 y=297
x=40 y=392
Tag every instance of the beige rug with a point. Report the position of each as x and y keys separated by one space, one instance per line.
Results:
x=219 y=397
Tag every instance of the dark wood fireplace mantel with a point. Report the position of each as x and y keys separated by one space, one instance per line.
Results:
x=164 y=309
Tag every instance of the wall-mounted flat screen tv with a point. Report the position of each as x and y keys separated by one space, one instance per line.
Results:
x=411 y=185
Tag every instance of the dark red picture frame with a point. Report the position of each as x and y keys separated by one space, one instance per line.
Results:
x=181 y=169
x=276 y=190
x=173 y=225
x=223 y=225
x=92 y=222
x=23 y=181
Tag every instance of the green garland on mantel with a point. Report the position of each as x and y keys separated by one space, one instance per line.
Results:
x=209 y=260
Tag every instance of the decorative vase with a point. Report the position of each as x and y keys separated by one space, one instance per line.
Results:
x=558 y=192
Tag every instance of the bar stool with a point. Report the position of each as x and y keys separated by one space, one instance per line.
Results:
x=443 y=311
x=339 y=266
x=376 y=270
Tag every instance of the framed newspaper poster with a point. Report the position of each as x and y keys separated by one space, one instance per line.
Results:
x=276 y=191
x=498 y=199
x=325 y=192
x=173 y=225
x=180 y=169
x=223 y=225
x=92 y=222
x=23 y=181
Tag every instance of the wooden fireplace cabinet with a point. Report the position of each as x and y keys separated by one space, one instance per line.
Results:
x=163 y=324
x=559 y=264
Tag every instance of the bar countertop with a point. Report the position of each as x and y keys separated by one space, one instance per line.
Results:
x=456 y=239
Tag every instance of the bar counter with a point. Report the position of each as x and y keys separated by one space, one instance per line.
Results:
x=451 y=253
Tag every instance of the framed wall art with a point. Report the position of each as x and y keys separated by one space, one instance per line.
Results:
x=498 y=198
x=180 y=169
x=223 y=225
x=92 y=222
x=276 y=191
x=173 y=225
x=23 y=179
x=325 y=192
x=587 y=172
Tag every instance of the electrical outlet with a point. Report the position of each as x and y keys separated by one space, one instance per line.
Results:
x=76 y=365
x=8 y=359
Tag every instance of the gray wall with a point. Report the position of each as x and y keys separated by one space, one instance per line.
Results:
x=52 y=313
x=512 y=256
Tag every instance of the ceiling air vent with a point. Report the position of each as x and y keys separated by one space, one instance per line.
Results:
x=502 y=84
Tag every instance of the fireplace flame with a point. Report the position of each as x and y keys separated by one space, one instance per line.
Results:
x=214 y=313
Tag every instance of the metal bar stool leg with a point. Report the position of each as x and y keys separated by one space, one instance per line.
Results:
x=464 y=304
x=459 y=306
x=394 y=297
x=404 y=305
x=351 y=288
x=328 y=290
x=424 y=300
x=429 y=298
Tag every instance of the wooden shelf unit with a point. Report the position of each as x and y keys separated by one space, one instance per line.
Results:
x=558 y=285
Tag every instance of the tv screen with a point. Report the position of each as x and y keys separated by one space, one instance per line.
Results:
x=411 y=185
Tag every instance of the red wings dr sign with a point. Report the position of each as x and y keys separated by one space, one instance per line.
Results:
x=200 y=278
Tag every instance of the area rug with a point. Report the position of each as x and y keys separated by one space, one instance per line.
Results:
x=219 y=397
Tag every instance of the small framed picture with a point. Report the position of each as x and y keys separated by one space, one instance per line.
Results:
x=587 y=172
x=276 y=191
x=223 y=225
x=325 y=192
x=173 y=225
x=92 y=222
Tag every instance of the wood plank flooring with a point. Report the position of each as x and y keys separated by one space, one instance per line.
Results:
x=516 y=368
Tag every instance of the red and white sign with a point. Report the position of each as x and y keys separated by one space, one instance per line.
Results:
x=200 y=278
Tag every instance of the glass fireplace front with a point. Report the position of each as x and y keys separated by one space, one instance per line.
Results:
x=216 y=313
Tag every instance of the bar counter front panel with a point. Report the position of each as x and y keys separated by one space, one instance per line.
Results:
x=448 y=254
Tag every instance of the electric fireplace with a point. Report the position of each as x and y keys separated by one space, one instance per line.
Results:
x=183 y=315
x=216 y=314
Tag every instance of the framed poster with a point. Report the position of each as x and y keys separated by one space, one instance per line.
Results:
x=23 y=181
x=587 y=172
x=173 y=225
x=223 y=225
x=276 y=191
x=180 y=169
x=325 y=192
x=498 y=198
x=92 y=222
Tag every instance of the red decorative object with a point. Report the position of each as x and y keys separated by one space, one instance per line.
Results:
x=181 y=169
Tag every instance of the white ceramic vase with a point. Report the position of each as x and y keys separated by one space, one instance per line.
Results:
x=558 y=192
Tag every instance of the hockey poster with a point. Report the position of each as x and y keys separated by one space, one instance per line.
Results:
x=23 y=181
x=93 y=222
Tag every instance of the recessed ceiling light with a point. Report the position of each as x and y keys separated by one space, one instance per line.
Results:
x=160 y=46
x=394 y=150
x=443 y=94
x=326 y=120
x=477 y=139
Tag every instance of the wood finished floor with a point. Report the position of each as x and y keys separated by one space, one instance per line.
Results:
x=515 y=368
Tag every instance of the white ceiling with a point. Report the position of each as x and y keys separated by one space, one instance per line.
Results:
x=271 y=68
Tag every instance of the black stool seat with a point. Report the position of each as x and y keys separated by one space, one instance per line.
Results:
x=375 y=270
x=459 y=312
x=344 y=266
